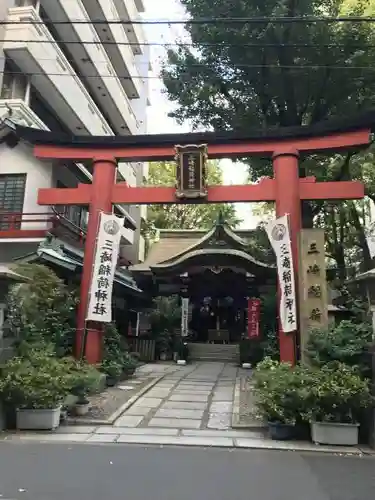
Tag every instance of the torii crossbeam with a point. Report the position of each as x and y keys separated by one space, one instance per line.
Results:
x=286 y=188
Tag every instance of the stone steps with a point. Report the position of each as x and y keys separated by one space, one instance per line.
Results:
x=214 y=352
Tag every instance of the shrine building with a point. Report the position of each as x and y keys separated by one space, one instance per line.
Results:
x=216 y=271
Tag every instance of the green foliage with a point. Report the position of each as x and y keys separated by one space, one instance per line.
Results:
x=241 y=77
x=42 y=309
x=201 y=216
x=115 y=354
x=334 y=393
x=346 y=343
x=115 y=346
x=337 y=394
x=39 y=381
x=111 y=368
x=166 y=314
x=281 y=392
x=85 y=379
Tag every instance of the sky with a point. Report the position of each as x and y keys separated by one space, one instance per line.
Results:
x=158 y=120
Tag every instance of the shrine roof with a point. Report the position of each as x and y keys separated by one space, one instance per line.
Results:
x=176 y=245
x=327 y=127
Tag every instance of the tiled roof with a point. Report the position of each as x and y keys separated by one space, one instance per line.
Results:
x=172 y=243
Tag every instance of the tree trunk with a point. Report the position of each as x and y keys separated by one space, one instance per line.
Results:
x=362 y=240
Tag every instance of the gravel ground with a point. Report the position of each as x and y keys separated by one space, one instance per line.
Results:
x=103 y=405
x=246 y=416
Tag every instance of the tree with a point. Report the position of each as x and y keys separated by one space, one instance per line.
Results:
x=41 y=310
x=200 y=216
x=254 y=75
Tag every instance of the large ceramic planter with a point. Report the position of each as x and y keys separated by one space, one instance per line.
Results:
x=281 y=432
x=43 y=420
x=334 y=433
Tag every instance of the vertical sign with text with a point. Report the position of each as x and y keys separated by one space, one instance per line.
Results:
x=106 y=257
x=184 y=317
x=312 y=284
x=253 y=318
x=279 y=236
x=191 y=171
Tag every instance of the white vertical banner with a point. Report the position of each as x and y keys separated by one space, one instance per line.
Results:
x=137 y=325
x=279 y=236
x=106 y=256
x=184 y=317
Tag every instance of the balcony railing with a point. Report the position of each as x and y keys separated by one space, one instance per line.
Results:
x=37 y=225
x=25 y=225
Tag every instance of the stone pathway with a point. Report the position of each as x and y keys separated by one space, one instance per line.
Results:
x=198 y=396
x=189 y=406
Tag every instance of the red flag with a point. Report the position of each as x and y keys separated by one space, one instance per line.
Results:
x=253 y=317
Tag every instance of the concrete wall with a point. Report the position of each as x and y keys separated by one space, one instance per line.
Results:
x=4 y=6
x=39 y=174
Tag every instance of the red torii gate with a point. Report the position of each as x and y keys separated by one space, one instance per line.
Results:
x=286 y=188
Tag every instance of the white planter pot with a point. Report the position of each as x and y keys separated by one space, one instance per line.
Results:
x=334 y=433
x=38 y=419
x=81 y=409
x=247 y=366
x=181 y=362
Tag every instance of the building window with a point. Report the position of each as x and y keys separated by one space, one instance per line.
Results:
x=14 y=83
x=12 y=195
x=26 y=3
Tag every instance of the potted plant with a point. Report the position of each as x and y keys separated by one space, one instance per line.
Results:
x=85 y=381
x=129 y=365
x=113 y=370
x=37 y=386
x=338 y=394
x=183 y=351
x=163 y=345
x=281 y=393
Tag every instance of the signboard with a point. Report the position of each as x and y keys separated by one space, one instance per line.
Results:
x=106 y=256
x=278 y=234
x=312 y=284
x=191 y=171
x=184 y=317
x=253 y=317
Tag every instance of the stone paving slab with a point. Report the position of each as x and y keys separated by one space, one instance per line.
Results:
x=179 y=413
x=103 y=438
x=216 y=433
x=175 y=423
x=128 y=421
x=138 y=410
x=221 y=421
x=150 y=402
x=221 y=407
x=185 y=405
x=158 y=393
x=198 y=389
x=138 y=431
x=188 y=397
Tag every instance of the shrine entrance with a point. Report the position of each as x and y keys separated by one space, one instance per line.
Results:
x=283 y=145
x=215 y=272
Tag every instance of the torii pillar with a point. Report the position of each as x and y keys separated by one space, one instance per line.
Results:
x=286 y=175
x=89 y=336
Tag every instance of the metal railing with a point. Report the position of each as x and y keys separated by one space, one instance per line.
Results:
x=18 y=221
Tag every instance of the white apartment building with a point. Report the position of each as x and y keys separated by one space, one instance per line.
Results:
x=80 y=79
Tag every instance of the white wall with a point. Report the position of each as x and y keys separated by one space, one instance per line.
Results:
x=20 y=160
